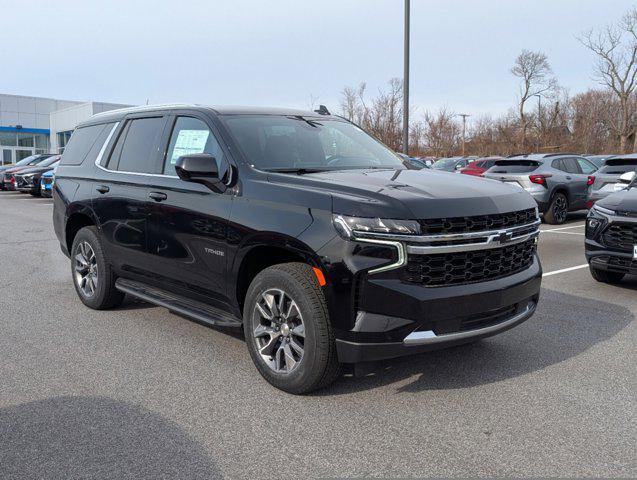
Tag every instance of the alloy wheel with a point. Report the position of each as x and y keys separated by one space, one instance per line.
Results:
x=86 y=269
x=279 y=331
x=560 y=209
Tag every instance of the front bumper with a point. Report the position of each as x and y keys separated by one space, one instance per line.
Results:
x=410 y=319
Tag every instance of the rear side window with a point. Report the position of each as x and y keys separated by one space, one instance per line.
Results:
x=559 y=165
x=85 y=144
x=571 y=165
x=136 y=147
x=514 y=166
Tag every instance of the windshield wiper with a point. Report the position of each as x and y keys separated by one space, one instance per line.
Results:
x=298 y=171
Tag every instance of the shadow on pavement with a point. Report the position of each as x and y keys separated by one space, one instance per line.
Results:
x=563 y=327
x=96 y=437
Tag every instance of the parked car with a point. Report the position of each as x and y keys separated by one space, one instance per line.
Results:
x=479 y=166
x=28 y=180
x=24 y=163
x=296 y=226
x=606 y=179
x=557 y=181
x=598 y=160
x=46 y=183
x=611 y=233
x=452 y=164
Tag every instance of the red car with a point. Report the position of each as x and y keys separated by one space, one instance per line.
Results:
x=479 y=166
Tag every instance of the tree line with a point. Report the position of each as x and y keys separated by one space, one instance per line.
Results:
x=546 y=118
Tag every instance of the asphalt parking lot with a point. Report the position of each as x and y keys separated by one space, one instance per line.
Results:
x=140 y=393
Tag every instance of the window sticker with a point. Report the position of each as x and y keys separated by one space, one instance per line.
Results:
x=189 y=142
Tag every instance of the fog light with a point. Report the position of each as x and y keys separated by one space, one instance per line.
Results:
x=593 y=223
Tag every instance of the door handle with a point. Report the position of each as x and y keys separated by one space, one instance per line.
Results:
x=102 y=188
x=158 y=196
x=569 y=178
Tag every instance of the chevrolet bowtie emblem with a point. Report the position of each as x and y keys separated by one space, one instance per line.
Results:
x=504 y=237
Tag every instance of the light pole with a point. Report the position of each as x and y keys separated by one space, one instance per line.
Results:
x=539 y=119
x=464 y=129
x=406 y=82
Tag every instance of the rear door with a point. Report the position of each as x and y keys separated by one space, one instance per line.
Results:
x=577 y=182
x=121 y=200
x=188 y=226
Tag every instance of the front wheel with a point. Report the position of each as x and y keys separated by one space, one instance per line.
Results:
x=605 y=276
x=287 y=329
x=558 y=210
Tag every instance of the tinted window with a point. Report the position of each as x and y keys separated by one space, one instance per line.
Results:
x=136 y=148
x=571 y=165
x=190 y=136
x=619 y=165
x=586 y=166
x=514 y=166
x=85 y=141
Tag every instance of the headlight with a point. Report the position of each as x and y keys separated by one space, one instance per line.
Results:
x=28 y=175
x=601 y=211
x=349 y=227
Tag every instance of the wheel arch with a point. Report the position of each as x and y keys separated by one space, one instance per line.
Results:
x=77 y=220
x=261 y=254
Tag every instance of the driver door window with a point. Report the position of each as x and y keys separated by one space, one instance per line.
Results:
x=190 y=135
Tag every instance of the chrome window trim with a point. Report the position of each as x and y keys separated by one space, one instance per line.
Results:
x=98 y=159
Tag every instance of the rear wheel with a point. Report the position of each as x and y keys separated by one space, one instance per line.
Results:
x=93 y=277
x=606 y=276
x=558 y=209
x=287 y=329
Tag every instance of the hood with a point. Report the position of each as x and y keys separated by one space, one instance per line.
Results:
x=412 y=194
x=622 y=201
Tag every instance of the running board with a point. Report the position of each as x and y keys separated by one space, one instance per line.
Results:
x=178 y=304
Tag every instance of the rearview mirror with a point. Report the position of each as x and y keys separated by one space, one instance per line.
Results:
x=200 y=168
x=627 y=177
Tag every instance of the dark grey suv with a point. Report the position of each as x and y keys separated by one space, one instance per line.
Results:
x=557 y=181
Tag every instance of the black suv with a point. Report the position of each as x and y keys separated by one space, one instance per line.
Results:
x=611 y=234
x=298 y=226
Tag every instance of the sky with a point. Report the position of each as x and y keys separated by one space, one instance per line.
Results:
x=290 y=53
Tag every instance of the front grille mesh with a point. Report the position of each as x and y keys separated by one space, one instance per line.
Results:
x=441 y=226
x=621 y=236
x=459 y=268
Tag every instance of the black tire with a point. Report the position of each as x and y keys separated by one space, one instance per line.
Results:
x=318 y=366
x=606 y=276
x=558 y=210
x=105 y=294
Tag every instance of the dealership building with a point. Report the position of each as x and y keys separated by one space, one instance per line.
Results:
x=30 y=125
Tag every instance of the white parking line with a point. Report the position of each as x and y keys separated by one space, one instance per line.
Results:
x=562 y=228
x=563 y=270
x=563 y=233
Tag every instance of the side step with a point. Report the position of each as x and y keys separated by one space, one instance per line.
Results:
x=175 y=303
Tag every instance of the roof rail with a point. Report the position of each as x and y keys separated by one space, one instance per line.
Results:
x=557 y=154
x=517 y=155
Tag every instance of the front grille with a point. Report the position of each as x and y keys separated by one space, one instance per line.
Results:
x=479 y=223
x=460 y=268
x=622 y=262
x=621 y=236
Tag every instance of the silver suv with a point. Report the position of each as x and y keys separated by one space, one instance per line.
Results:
x=557 y=181
x=606 y=179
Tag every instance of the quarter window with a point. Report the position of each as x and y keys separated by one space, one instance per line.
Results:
x=85 y=143
x=190 y=136
x=136 y=148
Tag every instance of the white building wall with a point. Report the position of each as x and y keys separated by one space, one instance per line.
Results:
x=30 y=112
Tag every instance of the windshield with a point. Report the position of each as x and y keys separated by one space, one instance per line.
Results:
x=49 y=161
x=295 y=143
x=27 y=161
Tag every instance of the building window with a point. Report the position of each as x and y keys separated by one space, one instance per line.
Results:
x=25 y=139
x=63 y=139
x=41 y=141
x=8 y=139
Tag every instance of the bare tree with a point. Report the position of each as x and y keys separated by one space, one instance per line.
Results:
x=616 y=67
x=442 y=132
x=533 y=70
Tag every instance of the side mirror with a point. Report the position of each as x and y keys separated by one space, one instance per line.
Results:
x=200 y=168
x=627 y=177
